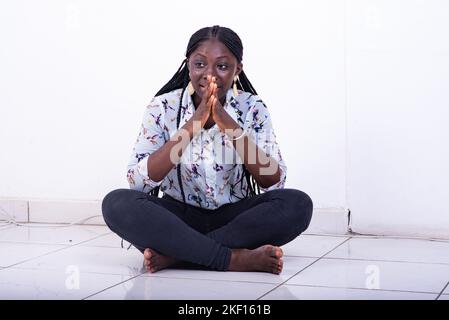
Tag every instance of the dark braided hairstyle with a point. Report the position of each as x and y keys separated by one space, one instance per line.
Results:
x=181 y=79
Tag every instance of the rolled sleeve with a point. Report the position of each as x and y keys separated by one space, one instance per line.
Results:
x=151 y=137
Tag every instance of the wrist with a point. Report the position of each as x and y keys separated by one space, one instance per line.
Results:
x=202 y=114
x=193 y=126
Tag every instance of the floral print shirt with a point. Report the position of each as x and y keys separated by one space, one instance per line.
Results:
x=211 y=169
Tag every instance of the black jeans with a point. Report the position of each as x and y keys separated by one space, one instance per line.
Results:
x=206 y=237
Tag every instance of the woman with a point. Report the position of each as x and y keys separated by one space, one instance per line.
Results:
x=207 y=142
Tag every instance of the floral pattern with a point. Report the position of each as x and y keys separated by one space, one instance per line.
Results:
x=211 y=169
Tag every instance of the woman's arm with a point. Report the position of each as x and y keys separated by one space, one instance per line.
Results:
x=264 y=169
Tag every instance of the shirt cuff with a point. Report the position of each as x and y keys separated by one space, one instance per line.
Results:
x=278 y=185
x=142 y=169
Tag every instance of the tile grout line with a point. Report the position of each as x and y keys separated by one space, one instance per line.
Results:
x=142 y=275
x=45 y=254
x=356 y=235
x=381 y=260
x=364 y=289
x=309 y=257
x=204 y=279
x=57 y=244
x=439 y=295
x=114 y=285
x=377 y=237
x=280 y=284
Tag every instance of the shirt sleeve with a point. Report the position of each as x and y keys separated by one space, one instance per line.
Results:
x=259 y=128
x=151 y=137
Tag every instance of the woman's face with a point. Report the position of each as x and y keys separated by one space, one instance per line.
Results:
x=214 y=58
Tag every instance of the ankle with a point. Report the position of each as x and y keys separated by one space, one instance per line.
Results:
x=236 y=259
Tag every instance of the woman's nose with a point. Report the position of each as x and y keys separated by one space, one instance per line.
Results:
x=209 y=71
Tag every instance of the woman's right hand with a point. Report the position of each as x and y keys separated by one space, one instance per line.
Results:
x=203 y=112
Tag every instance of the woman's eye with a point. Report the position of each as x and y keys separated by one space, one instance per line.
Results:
x=199 y=64
x=222 y=66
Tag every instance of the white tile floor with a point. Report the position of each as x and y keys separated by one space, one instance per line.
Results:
x=87 y=262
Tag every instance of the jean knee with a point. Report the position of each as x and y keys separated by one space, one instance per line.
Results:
x=112 y=204
x=299 y=208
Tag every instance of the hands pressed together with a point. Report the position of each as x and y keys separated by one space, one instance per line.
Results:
x=210 y=97
x=211 y=106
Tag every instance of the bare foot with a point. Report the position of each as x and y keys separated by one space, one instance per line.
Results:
x=154 y=261
x=266 y=258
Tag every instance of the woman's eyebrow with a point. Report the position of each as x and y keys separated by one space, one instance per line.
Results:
x=220 y=57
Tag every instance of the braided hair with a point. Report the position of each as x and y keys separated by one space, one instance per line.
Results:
x=181 y=79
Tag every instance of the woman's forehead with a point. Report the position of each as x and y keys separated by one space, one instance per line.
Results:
x=212 y=48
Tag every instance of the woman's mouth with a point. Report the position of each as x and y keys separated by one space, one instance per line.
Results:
x=204 y=88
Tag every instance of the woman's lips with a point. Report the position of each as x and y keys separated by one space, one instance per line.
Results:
x=204 y=87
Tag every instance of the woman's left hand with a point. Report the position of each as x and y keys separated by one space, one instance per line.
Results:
x=219 y=114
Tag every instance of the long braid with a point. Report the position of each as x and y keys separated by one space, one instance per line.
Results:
x=178 y=121
x=177 y=81
x=244 y=84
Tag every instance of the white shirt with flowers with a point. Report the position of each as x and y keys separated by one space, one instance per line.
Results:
x=211 y=169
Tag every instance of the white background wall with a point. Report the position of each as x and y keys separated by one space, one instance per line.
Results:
x=397 y=71
x=355 y=89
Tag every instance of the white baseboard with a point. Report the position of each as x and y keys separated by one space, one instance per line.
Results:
x=66 y=211
x=324 y=220
x=15 y=209
x=52 y=211
x=329 y=221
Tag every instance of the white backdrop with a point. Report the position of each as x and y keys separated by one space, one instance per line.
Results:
x=397 y=69
x=355 y=89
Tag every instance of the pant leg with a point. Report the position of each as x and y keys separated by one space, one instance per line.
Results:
x=150 y=222
x=275 y=217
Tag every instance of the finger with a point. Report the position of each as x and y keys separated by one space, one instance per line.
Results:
x=211 y=78
x=210 y=90
x=147 y=253
x=210 y=102
x=212 y=87
x=207 y=94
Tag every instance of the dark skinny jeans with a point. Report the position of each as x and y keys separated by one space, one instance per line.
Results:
x=205 y=237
